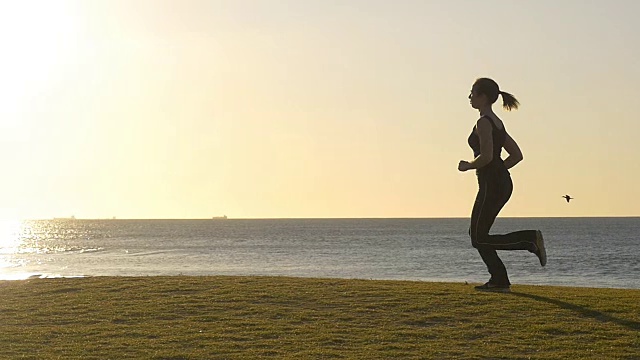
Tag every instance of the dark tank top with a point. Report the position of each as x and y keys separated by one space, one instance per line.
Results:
x=499 y=136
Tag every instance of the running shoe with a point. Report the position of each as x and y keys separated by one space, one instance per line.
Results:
x=540 y=252
x=493 y=287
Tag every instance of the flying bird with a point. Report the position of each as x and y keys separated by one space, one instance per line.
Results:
x=567 y=197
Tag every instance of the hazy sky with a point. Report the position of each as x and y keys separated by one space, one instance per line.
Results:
x=298 y=108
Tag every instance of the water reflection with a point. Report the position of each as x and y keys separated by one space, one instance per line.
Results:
x=10 y=244
x=44 y=237
x=26 y=246
x=10 y=237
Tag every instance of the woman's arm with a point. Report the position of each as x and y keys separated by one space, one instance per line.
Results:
x=515 y=155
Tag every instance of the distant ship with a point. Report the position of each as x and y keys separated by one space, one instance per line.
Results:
x=223 y=217
x=65 y=218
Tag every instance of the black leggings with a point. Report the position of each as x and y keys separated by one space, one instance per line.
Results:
x=495 y=188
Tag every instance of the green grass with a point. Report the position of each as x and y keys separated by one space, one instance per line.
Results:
x=299 y=318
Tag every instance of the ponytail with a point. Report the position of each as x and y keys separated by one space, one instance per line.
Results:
x=509 y=102
x=490 y=88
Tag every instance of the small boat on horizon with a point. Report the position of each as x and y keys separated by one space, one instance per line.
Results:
x=65 y=218
x=223 y=217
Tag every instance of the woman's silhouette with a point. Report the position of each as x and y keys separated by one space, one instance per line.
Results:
x=487 y=140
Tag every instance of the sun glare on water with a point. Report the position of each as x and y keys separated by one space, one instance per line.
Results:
x=12 y=249
x=10 y=241
x=10 y=238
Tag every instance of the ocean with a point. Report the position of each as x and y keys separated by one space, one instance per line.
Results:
x=583 y=252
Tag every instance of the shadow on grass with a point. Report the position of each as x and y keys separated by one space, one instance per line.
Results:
x=633 y=325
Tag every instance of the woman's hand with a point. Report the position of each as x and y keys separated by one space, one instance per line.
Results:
x=464 y=165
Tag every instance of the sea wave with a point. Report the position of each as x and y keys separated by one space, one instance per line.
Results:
x=28 y=276
x=48 y=250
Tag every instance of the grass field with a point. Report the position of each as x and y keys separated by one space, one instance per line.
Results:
x=302 y=318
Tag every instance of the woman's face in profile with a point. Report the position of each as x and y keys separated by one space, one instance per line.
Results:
x=476 y=100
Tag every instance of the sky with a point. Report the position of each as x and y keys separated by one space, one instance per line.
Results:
x=311 y=109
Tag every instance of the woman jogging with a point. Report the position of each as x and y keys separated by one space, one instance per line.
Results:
x=487 y=140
